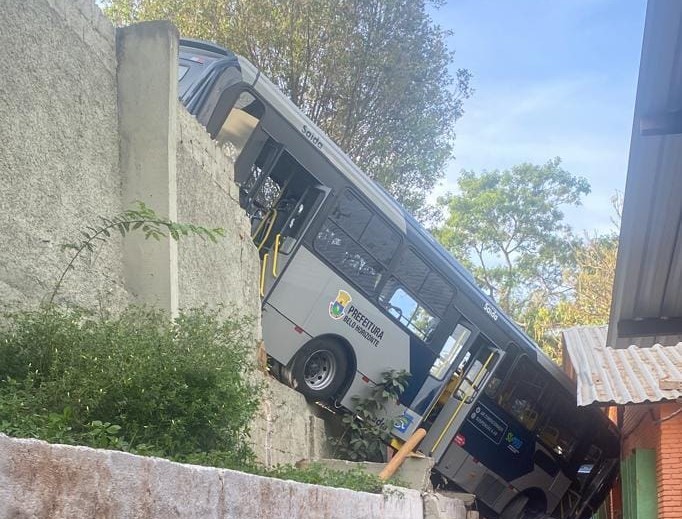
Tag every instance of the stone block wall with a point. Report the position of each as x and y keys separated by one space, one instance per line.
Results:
x=213 y=273
x=286 y=430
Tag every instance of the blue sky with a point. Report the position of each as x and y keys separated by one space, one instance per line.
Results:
x=552 y=78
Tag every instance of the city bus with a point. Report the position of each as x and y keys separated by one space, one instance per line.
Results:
x=353 y=286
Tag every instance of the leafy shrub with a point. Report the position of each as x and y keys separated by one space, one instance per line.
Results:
x=367 y=430
x=137 y=382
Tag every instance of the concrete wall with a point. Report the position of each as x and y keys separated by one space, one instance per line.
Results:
x=59 y=156
x=56 y=481
x=286 y=429
x=226 y=272
x=90 y=123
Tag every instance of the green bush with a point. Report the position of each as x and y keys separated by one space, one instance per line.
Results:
x=137 y=382
x=367 y=429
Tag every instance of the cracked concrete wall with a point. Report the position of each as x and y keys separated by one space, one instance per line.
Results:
x=59 y=165
x=286 y=429
x=57 y=481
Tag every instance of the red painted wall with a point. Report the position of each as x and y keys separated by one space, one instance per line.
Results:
x=669 y=462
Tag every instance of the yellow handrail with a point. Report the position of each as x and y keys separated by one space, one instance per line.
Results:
x=262 y=275
x=274 y=258
x=270 y=221
x=481 y=373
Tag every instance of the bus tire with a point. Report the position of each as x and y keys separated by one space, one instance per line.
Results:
x=319 y=369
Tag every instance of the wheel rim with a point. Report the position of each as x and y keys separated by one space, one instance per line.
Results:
x=319 y=370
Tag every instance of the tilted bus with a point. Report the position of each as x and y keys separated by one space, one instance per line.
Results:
x=352 y=286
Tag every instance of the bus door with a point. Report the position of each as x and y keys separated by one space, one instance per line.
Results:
x=280 y=198
x=467 y=382
x=431 y=393
x=278 y=194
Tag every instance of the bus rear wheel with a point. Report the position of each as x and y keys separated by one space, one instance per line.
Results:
x=320 y=369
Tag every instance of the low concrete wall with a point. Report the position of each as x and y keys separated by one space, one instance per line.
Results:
x=56 y=481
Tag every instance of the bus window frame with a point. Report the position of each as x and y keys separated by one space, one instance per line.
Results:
x=322 y=194
x=459 y=351
x=324 y=215
x=387 y=306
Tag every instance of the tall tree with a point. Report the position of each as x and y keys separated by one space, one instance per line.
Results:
x=508 y=228
x=590 y=283
x=373 y=74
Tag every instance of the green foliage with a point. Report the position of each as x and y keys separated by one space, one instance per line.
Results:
x=508 y=228
x=367 y=430
x=316 y=474
x=136 y=382
x=590 y=283
x=142 y=218
x=374 y=75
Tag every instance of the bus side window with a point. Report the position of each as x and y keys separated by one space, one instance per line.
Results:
x=561 y=427
x=432 y=289
x=453 y=345
x=240 y=122
x=347 y=256
x=407 y=310
x=521 y=396
x=357 y=242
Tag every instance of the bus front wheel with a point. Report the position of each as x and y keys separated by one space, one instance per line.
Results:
x=319 y=369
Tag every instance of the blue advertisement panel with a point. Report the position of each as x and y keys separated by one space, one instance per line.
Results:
x=493 y=437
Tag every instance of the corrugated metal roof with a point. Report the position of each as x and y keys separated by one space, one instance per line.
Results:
x=630 y=375
x=649 y=267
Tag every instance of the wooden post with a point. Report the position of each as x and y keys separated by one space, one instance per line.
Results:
x=402 y=453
